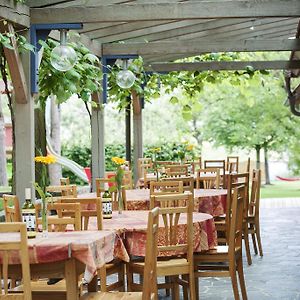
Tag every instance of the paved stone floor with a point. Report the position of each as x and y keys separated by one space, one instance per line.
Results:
x=277 y=274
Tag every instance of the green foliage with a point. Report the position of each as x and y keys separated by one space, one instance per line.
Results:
x=84 y=79
x=249 y=115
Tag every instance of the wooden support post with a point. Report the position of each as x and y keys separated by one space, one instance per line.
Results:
x=98 y=150
x=15 y=65
x=24 y=131
x=137 y=133
x=128 y=132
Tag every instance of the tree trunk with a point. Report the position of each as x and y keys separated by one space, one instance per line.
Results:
x=55 y=172
x=267 y=173
x=3 y=171
x=257 y=149
x=40 y=141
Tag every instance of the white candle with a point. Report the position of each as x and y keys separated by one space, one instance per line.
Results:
x=28 y=193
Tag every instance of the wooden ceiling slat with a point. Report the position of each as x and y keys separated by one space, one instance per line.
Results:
x=168 y=11
x=182 y=47
x=223 y=65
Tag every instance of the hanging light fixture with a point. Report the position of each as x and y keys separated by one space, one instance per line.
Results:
x=125 y=78
x=63 y=57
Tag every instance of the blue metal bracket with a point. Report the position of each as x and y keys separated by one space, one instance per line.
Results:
x=41 y=32
x=109 y=60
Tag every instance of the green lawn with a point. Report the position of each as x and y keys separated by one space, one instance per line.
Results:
x=281 y=189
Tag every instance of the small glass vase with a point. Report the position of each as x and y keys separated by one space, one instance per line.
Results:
x=44 y=218
x=120 y=201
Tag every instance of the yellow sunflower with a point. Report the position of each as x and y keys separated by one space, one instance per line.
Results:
x=118 y=160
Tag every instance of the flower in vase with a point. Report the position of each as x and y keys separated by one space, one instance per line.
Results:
x=41 y=188
x=119 y=164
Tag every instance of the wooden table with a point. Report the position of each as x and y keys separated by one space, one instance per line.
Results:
x=131 y=227
x=66 y=255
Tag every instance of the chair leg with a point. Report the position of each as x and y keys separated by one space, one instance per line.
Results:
x=167 y=280
x=129 y=277
x=232 y=271
x=184 y=288
x=246 y=240
x=241 y=277
x=254 y=240
x=121 y=276
x=102 y=276
x=196 y=280
x=86 y=223
x=192 y=286
x=175 y=289
x=257 y=230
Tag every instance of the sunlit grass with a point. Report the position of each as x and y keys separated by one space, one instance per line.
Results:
x=281 y=189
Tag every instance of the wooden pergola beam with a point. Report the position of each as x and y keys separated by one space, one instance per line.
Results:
x=168 y=11
x=13 y=12
x=15 y=65
x=224 y=65
x=204 y=46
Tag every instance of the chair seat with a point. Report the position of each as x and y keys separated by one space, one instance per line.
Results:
x=113 y=296
x=42 y=291
x=164 y=267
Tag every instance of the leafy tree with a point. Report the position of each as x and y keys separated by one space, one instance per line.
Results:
x=249 y=115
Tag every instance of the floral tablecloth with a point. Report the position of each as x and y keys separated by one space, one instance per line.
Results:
x=210 y=201
x=131 y=227
x=93 y=249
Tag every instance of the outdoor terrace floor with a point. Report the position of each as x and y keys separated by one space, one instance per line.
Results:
x=277 y=274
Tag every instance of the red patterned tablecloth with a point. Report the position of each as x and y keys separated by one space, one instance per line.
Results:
x=210 y=201
x=131 y=226
x=93 y=249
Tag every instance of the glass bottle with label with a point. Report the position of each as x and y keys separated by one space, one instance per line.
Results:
x=106 y=203
x=28 y=214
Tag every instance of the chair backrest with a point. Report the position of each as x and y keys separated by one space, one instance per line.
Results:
x=64 y=181
x=171 y=200
x=11 y=208
x=143 y=165
x=101 y=183
x=234 y=181
x=187 y=182
x=255 y=193
x=197 y=164
x=208 y=178
x=248 y=165
x=60 y=222
x=232 y=164
x=171 y=213
x=215 y=163
x=11 y=246
x=62 y=190
x=165 y=187
x=127 y=180
x=236 y=223
x=177 y=170
x=89 y=207
x=150 y=277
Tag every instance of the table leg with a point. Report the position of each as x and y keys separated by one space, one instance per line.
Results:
x=71 y=279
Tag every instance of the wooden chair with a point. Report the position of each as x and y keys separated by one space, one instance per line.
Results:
x=207 y=264
x=223 y=223
x=127 y=180
x=208 y=178
x=177 y=170
x=187 y=182
x=220 y=164
x=95 y=211
x=232 y=164
x=60 y=222
x=22 y=247
x=172 y=207
x=149 y=291
x=64 y=181
x=11 y=208
x=62 y=190
x=164 y=188
x=248 y=165
x=143 y=165
x=196 y=165
x=253 y=212
x=114 y=267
